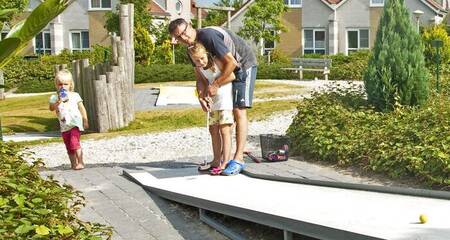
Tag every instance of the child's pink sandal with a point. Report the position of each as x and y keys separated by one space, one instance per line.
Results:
x=215 y=171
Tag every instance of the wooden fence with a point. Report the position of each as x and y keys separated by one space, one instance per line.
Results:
x=107 y=88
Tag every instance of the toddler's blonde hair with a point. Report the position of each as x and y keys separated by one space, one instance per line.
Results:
x=65 y=76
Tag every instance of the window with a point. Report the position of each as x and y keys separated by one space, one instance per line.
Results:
x=179 y=7
x=100 y=4
x=79 y=41
x=42 y=43
x=293 y=3
x=3 y=35
x=357 y=39
x=314 y=41
x=376 y=3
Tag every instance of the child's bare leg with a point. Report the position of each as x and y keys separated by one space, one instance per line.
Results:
x=216 y=144
x=225 y=132
x=73 y=160
x=79 y=159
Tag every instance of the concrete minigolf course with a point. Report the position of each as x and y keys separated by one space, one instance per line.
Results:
x=316 y=211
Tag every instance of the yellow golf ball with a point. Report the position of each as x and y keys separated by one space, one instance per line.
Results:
x=423 y=218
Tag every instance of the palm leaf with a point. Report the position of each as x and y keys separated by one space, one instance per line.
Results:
x=39 y=18
x=4 y=13
x=7 y=47
x=30 y=27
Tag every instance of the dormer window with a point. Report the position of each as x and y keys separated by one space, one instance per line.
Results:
x=293 y=3
x=179 y=7
x=376 y=3
x=99 y=4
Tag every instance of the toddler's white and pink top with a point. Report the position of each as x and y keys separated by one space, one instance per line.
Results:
x=69 y=115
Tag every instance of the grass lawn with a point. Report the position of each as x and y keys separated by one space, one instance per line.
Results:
x=31 y=114
x=27 y=114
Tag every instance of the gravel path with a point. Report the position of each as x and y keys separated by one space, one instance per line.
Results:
x=185 y=145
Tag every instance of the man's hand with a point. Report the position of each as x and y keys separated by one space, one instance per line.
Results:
x=212 y=89
x=205 y=104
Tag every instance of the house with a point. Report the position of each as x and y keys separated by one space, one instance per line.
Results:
x=81 y=25
x=337 y=26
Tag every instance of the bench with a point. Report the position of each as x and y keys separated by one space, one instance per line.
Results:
x=310 y=64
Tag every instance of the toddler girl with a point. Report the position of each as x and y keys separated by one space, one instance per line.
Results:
x=71 y=115
x=220 y=108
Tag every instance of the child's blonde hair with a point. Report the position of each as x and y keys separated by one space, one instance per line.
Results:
x=196 y=49
x=65 y=76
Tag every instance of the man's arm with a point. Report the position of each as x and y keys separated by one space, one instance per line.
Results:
x=228 y=65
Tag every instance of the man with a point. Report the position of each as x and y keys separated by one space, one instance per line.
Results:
x=238 y=58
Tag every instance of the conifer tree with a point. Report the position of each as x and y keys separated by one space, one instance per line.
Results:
x=396 y=73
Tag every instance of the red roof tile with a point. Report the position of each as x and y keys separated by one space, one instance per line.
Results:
x=157 y=10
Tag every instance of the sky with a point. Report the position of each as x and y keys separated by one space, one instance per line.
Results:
x=208 y=2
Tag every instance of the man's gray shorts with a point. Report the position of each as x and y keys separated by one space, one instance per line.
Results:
x=243 y=88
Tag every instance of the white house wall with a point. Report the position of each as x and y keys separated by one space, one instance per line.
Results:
x=75 y=17
x=185 y=13
x=315 y=15
x=238 y=22
x=428 y=13
x=352 y=14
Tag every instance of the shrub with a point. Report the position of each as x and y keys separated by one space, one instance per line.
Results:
x=341 y=127
x=37 y=75
x=396 y=72
x=164 y=73
x=143 y=45
x=436 y=32
x=35 y=208
x=349 y=67
x=278 y=56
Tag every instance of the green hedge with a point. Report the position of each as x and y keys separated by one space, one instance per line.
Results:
x=35 y=208
x=343 y=68
x=164 y=73
x=340 y=127
x=36 y=75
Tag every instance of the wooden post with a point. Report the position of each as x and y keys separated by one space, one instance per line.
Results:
x=55 y=69
x=112 y=97
x=124 y=90
x=76 y=76
x=84 y=63
x=228 y=19
x=118 y=85
x=199 y=17
x=101 y=104
x=114 y=43
x=2 y=90
x=132 y=57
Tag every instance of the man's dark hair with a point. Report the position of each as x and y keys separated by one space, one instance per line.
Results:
x=175 y=23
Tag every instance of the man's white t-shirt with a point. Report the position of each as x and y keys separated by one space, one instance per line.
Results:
x=69 y=115
x=223 y=100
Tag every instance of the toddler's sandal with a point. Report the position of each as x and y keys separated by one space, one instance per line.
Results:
x=215 y=171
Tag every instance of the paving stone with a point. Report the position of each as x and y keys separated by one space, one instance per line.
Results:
x=90 y=215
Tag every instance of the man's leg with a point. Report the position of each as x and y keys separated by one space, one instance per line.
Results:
x=240 y=115
x=243 y=98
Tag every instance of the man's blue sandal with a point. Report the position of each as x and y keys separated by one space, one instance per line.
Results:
x=233 y=168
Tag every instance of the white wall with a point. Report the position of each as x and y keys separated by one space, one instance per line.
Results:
x=352 y=14
x=186 y=10
x=426 y=18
